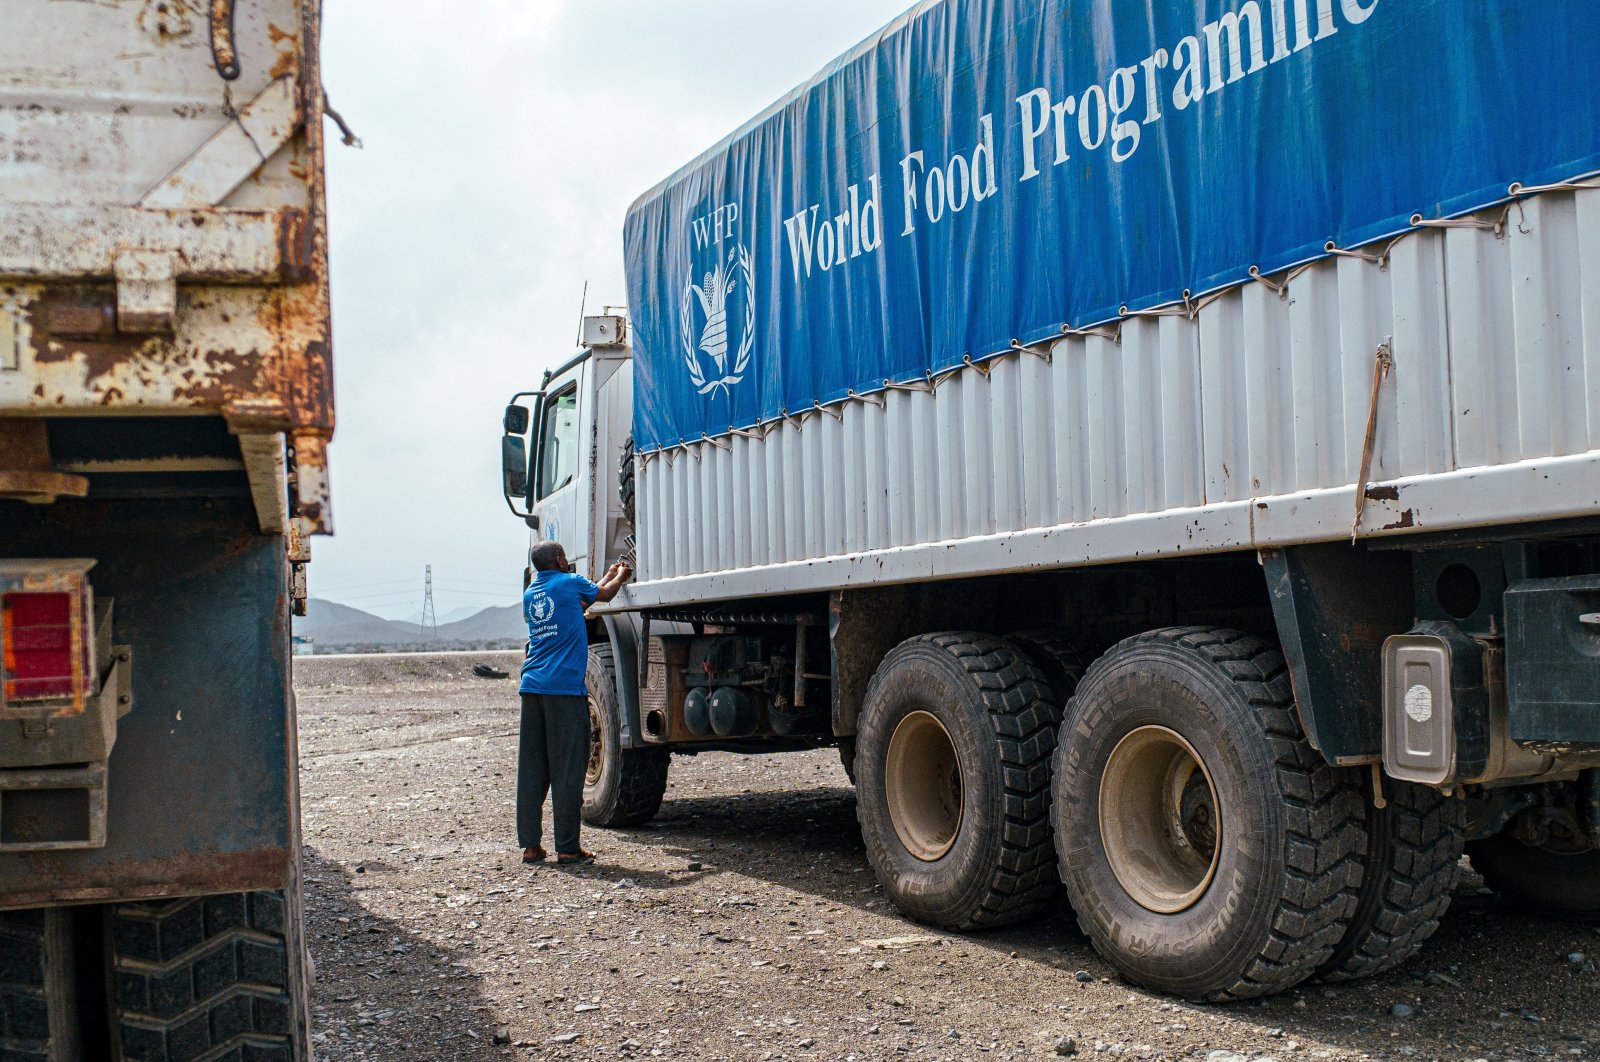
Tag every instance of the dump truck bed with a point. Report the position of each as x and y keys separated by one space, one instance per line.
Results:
x=163 y=245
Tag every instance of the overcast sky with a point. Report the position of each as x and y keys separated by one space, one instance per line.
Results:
x=504 y=141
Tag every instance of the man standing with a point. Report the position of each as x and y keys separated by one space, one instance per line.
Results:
x=553 y=751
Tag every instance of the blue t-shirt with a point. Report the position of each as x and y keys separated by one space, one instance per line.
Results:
x=558 y=642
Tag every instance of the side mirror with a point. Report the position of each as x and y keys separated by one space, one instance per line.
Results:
x=516 y=420
x=514 y=463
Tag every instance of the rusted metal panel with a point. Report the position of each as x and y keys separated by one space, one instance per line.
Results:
x=163 y=241
x=184 y=874
x=207 y=245
x=44 y=827
x=101 y=101
x=209 y=176
x=200 y=791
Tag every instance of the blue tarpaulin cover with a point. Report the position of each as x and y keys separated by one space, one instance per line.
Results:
x=985 y=172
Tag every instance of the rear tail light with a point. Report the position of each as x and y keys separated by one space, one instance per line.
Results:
x=46 y=643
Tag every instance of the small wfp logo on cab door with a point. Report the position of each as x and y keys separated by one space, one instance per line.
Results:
x=717 y=319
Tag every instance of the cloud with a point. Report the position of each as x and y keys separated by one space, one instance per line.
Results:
x=505 y=140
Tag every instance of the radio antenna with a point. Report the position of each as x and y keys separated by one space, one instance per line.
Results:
x=583 y=307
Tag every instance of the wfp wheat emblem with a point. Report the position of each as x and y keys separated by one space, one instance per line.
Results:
x=541 y=608
x=719 y=312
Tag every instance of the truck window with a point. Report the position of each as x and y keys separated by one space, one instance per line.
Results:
x=558 y=443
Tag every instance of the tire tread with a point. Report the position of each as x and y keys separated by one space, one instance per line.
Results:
x=1025 y=719
x=1410 y=872
x=627 y=482
x=34 y=988
x=1059 y=655
x=641 y=773
x=1325 y=839
x=203 y=978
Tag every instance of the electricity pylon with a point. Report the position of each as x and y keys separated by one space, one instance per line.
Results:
x=430 y=622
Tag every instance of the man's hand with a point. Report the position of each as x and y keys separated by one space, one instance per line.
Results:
x=615 y=576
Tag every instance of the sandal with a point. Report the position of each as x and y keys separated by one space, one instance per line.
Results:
x=535 y=854
x=572 y=859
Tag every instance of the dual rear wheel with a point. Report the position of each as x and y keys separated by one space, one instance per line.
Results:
x=1207 y=849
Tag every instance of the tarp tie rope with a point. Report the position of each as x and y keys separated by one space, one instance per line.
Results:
x=1281 y=287
x=1111 y=332
x=1518 y=189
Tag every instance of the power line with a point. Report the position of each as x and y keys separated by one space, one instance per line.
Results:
x=479 y=582
x=366 y=586
x=454 y=581
x=438 y=587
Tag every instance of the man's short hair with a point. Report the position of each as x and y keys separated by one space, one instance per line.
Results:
x=548 y=557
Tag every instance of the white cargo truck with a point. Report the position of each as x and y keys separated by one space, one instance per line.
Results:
x=1157 y=444
x=165 y=408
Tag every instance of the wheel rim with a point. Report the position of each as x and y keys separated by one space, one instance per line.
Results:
x=924 y=786
x=1159 y=820
x=597 y=748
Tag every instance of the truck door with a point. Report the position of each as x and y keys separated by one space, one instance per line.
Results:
x=560 y=476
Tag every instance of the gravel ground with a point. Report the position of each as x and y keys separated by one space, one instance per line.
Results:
x=745 y=923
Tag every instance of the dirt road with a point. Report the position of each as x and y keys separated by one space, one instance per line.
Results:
x=744 y=923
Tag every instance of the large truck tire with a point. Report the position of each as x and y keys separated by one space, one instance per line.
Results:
x=1059 y=656
x=38 y=1001
x=627 y=481
x=1207 y=849
x=953 y=780
x=621 y=787
x=1413 y=862
x=209 y=977
x=1544 y=881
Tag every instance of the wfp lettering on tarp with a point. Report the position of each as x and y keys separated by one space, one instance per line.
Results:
x=1228 y=50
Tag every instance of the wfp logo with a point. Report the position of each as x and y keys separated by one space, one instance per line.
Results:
x=717 y=318
x=541 y=608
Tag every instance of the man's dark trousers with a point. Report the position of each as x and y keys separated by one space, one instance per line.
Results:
x=552 y=756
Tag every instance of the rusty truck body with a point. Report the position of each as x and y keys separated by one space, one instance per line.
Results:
x=165 y=410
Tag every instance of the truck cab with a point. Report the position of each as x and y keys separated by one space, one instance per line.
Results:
x=560 y=469
x=668 y=680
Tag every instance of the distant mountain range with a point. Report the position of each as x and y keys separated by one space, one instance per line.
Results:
x=464 y=612
x=331 y=625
